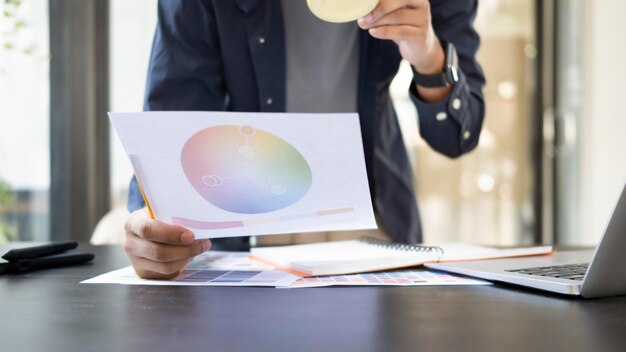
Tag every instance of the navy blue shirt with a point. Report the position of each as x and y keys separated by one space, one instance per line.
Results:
x=215 y=55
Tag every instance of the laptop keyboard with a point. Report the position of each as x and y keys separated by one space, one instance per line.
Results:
x=574 y=272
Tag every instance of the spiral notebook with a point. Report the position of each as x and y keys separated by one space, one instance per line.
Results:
x=370 y=254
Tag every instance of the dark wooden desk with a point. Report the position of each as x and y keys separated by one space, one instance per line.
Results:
x=50 y=311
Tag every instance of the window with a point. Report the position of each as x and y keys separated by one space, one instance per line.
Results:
x=485 y=196
x=131 y=31
x=24 y=121
x=589 y=158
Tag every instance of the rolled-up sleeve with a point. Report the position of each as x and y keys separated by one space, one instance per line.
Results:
x=452 y=126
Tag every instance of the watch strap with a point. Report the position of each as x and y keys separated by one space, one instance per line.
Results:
x=448 y=76
x=430 y=81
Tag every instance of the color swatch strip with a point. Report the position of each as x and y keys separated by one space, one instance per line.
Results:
x=390 y=278
x=216 y=225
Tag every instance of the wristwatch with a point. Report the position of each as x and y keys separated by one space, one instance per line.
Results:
x=448 y=77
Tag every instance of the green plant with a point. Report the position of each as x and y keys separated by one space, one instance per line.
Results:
x=6 y=199
x=11 y=25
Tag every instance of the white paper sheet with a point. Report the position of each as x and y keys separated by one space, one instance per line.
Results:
x=224 y=174
x=213 y=268
x=218 y=268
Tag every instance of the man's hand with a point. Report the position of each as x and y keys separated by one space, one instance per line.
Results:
x=157 y=250
x=408 y=24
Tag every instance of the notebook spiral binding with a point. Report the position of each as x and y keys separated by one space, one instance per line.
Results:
x=400 y=246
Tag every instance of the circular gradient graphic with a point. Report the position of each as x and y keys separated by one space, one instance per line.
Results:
x=244 y=170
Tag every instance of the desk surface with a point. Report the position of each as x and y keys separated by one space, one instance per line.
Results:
x=50 y=311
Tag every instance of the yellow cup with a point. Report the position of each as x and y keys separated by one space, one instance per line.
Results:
x=338 y=11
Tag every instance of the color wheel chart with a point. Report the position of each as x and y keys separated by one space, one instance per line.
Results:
x=244 y=170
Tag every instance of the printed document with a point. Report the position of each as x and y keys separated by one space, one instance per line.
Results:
x=223 y=174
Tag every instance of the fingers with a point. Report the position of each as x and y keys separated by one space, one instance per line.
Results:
x=403 y=16
x=157 y=250
x=143 y=226
x=386 y=7
x=408 y=24
x=148 y=269
x=396 y=33
x=161 y=252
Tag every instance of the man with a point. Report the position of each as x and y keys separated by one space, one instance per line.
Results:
x=274 y=56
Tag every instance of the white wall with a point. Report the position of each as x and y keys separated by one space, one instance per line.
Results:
x=602 y=131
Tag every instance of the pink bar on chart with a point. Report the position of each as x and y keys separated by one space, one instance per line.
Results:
x=206 y=225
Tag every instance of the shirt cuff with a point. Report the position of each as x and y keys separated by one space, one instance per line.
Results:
x=454 y=107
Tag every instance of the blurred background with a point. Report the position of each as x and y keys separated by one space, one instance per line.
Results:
x=549 y=167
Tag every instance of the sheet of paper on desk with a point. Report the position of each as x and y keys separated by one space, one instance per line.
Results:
x=225 y=174
x=388 y=278
x=213 y=268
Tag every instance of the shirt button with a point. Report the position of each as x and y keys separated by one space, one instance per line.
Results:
x=456 y=104
x=269 y=101
x=466 y=135
x=261 y=40
x=441 y=116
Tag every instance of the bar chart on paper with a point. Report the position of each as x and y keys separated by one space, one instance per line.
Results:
x=215 y=225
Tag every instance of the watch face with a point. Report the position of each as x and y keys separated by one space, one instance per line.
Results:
x=453 y=75
x=452 y=63
x=450 y=74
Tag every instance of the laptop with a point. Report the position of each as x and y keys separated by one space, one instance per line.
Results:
x=590 y=274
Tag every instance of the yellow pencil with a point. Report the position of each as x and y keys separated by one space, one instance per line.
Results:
x=145 y=199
